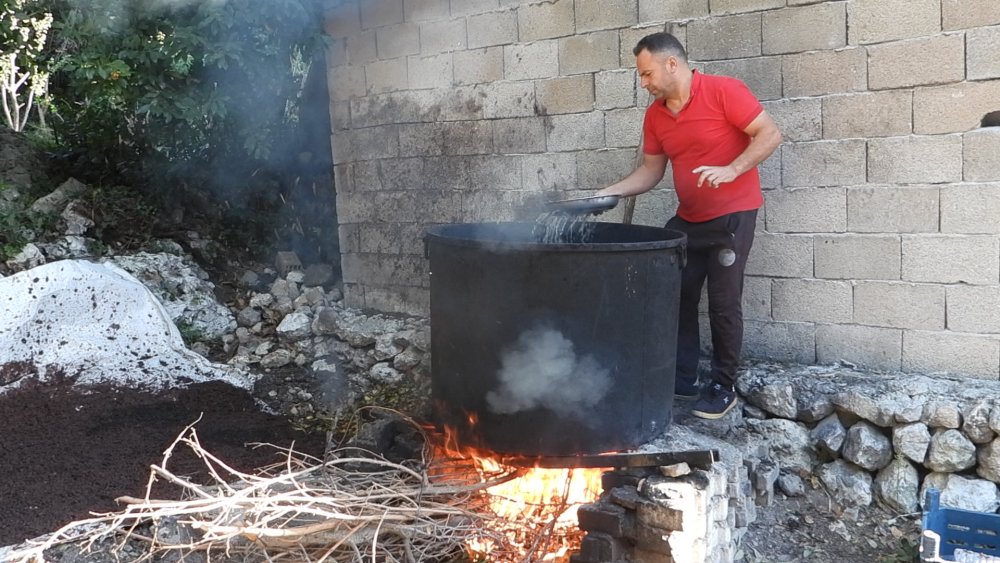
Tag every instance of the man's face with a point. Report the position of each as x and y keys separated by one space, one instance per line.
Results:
x=657 y=73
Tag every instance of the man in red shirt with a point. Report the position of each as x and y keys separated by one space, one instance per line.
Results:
x=715 y=133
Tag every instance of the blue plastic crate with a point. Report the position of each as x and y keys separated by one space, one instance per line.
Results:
x=948 y=529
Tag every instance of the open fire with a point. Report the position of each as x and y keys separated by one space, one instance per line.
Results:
x=535 y=508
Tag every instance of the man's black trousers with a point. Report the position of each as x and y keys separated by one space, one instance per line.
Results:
x=717 y=251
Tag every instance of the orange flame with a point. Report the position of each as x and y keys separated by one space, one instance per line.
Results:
x=537 y=509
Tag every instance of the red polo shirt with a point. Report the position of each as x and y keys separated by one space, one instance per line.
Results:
x=708 y=131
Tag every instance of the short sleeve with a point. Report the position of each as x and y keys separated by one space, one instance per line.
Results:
x=739 y=103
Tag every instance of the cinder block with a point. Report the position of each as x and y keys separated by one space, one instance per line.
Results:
x=656 y=206
x=605 y=517
x=597 y=547
x=917 y=62
x=379 y=13
x=970 y=209
x=336 y=52
x=361 y=48
x=981 y=153
x=664 y=10
x=824 y=163
x=519 y=135
x=492 y=28
x=892 y=209
x=722 y=7
x=817 y=301
x=598 y=169
x=458 y=103
x=443 y=36
x=825 y=72
x=757 y=298
x=342 y=19
x=547 y=172
x=629 y=37
x=592 y=15
x=472 y=7
x=726 y=37
x=770 y=171
x=340 y=115
x=576 y=131
x=590 y=52
x=761 y=74
x=468 y=137
x=571 y=94
x=915 y=159
x=806 y=28
x=782 y=342
x=348 y=235
x=421 y=139
x=508 y=99
x=899 y=305
x=406 y=106
x=868 y=114
x=496 y=205
x=799 y=119
x=430 y=72
x=954 y=353
x=405 y=299
x=955 y=107
x=422 y=10
x=806 y=210
x=858 y=257
x=393 y=174
x=495 y=172
x=974 y=308
x=545 y=20
x=446 y=173
x=781 y=256
x=623 y=127
x=873 y=21
x=532 y=60
x=400 y=207
x=478 y=66
x=346 y=82
x=614 y=89
x=981 y=60
x=386 y=76
x=962 y=14
x=392 y=239
x=397 y=40
x=867 y=347
x=972 y=259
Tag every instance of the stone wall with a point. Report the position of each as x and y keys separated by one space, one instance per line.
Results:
x=879 y=243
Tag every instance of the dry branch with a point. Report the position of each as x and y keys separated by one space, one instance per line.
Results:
x=353 y=506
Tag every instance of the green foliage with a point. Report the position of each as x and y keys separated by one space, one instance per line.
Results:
x=189 y=333
x=19 y=225
x=24 y=27
x=178 y=91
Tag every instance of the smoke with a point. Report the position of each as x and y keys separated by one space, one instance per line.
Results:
x=542 y=370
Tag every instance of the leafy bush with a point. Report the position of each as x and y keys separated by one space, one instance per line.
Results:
x=188 y=92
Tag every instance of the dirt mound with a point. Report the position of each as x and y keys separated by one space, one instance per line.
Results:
x=65 y=453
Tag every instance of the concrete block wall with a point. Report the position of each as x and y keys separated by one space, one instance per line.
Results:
x=879 y=243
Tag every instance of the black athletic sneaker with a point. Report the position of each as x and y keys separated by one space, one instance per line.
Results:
x=686 y=389
x=715 y=401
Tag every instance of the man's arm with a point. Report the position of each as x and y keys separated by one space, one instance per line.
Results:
x=764 y=138
x=642 y=179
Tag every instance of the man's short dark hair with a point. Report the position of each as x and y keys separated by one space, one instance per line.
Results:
x=661 y=43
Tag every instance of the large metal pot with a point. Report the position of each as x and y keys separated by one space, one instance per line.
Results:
x=554 y=349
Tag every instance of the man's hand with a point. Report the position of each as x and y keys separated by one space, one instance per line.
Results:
x=715 y=175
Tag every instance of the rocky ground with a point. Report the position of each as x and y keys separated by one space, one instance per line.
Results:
x=42 y=492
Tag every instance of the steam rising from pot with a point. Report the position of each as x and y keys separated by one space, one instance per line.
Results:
x=542 y=370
